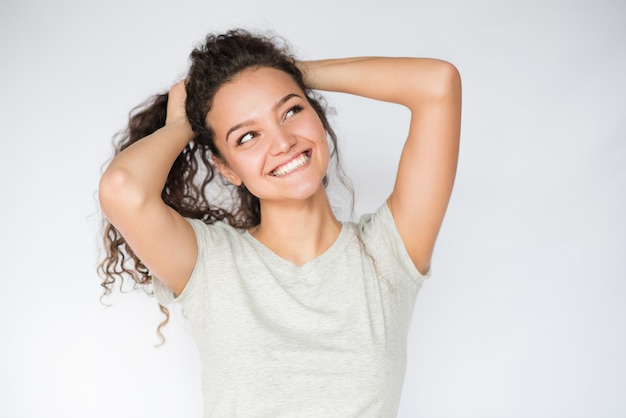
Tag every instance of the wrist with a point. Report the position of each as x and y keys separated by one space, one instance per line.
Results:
x=180 y=127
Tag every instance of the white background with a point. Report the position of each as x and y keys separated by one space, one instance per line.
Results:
x=525 y=313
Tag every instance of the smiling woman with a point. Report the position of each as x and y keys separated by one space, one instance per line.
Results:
x=294 y=312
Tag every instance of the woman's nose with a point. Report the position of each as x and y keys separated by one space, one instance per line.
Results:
x=282 y=141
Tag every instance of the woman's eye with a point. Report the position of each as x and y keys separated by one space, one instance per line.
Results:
x=246 y=137
x=292 y=111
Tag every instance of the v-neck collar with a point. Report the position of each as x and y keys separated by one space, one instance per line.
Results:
x=315 y=264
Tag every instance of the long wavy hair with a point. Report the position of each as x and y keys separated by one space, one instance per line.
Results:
x=215 y=62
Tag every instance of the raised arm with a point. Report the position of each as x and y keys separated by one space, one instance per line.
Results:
x=130 y=197
x=431 y=89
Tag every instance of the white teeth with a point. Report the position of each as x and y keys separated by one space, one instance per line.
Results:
x=291 y=165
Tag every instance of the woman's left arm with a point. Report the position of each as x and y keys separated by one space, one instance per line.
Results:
x=431 y=89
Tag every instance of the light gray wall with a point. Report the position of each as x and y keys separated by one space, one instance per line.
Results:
x=524 y=315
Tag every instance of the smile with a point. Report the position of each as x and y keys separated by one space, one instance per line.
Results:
x=292 y=165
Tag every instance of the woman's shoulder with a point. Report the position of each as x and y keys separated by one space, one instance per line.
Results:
x=375 y=222
x=214 y=232
x=374 y=228
x=381 y=237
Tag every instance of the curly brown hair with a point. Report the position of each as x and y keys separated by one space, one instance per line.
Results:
x=216 y=62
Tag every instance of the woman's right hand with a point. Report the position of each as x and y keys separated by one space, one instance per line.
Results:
x=176 y=103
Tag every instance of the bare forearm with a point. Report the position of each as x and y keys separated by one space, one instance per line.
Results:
x=407 y=81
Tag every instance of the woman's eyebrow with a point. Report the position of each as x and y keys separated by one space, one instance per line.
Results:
x=250 y=122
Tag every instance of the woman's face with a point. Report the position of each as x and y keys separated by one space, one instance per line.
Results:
x=269 y=136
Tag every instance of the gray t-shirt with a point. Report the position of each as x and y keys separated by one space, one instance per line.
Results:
x=325 y=339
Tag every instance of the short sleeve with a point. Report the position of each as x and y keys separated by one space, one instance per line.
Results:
x=164 y=294
x=381 y=235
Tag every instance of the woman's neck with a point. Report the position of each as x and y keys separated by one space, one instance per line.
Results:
x=298 y=231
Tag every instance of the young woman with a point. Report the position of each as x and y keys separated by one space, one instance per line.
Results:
x=295 y=314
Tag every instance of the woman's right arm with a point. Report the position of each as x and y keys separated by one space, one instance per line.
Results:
x=130 y=197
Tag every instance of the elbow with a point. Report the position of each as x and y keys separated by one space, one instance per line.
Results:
x=453 y=80
x=118 y=192
x=439 y=82
x=446 y=82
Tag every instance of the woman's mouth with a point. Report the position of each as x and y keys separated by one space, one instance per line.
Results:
x=292 y=165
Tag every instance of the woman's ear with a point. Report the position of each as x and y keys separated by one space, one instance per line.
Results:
x=225 y=171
